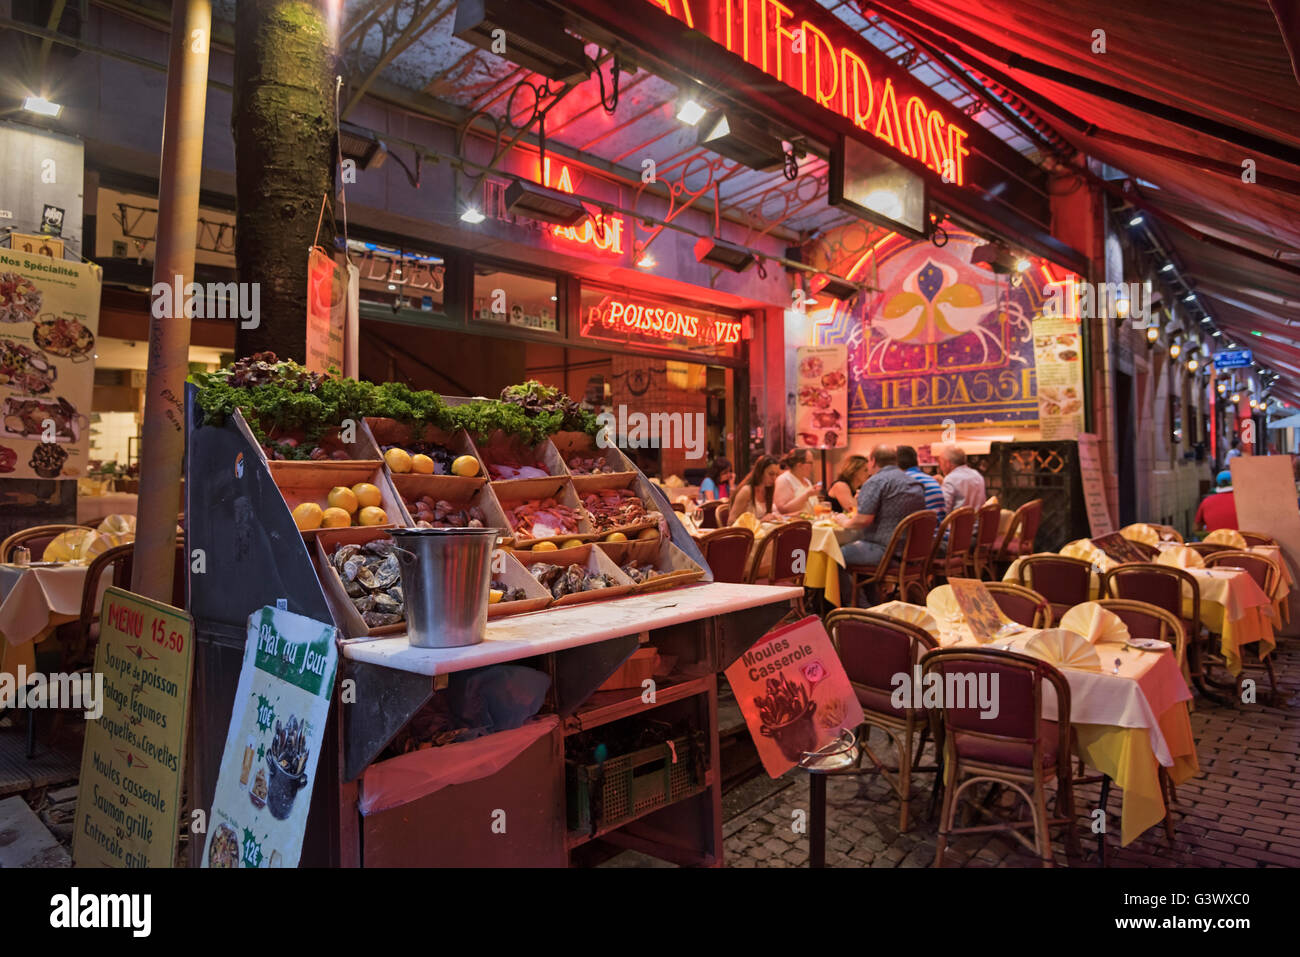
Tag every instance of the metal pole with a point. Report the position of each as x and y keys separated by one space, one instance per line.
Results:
x=163 y=443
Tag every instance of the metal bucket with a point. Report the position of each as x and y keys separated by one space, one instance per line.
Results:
x=446 y=573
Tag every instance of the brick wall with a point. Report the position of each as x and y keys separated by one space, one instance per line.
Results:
x=664 y=394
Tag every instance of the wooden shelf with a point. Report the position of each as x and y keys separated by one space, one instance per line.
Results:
x=606 y=706
x=577 y=839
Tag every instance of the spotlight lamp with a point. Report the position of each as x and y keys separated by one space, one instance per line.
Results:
x=1153 y=332
x=1175 y=351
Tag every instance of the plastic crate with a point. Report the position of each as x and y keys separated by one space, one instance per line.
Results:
x=605 y=795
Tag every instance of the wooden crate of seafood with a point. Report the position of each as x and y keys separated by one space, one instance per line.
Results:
x=613 y=503
x=362 y=581
x=448 y=501
x=509 y=458
x=543 y=510
x=578 y=574
x=653 y=564
x=589 y=464
x=441 y=447
x=520 y=591
x=328 y=447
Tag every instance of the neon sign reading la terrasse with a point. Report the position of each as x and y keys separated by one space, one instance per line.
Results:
x=802 y=56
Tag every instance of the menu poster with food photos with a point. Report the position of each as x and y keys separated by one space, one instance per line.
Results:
x=1058 y=363
x=794 y=693
x=49 y=317
x=268 y=768
x=821 y=405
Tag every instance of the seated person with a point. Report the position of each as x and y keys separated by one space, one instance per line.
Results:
x=717 y=484
x=934 y=501
x=1219 y=508
x=843 y=491
x=884 y=500
x=794 y=486
x=754 y=496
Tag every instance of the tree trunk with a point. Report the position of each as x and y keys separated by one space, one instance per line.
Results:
x=283 y=125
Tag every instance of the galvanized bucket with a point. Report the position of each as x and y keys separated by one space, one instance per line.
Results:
x=446 y=573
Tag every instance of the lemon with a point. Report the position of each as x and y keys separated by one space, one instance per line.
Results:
x=544 y=547
x=366 y=494
x=307 y=516
x=495 y=596
x=334 y=517
x=373 y=515
x=648 y=535
x=341 y=496
x=616 y=537
x=421 y=464
x=465 y=465
x=572 y=543
x=399 y=461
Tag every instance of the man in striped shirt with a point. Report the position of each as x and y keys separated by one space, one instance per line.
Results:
x=907 y=461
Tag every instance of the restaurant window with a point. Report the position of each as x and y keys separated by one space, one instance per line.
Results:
x=513 y=299
x=399 y=278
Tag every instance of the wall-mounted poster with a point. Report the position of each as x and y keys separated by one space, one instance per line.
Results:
x=49 y=317
x=940 y=338
x=821 y=397
x=1058 y=358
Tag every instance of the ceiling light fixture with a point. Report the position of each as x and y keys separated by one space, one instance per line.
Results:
x=691 y=112
x=1236 y=398
x=41 y=106
x=1175 y=350
x=1136 y=220
x=646 y=262
x=1192 y=365
x=737 y=139
x=725 y=255
x=1167 y=267
x=1190 y=297
x=533 y=201
x=537 y=38
x=472 y=215
x=833 y=286
x=1153 y=332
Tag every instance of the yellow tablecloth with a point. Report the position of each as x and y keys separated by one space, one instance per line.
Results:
x=1232 y=606
x=33 y=602
x=1135 y=721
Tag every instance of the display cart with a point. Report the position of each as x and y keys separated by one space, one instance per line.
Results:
x=513 y=798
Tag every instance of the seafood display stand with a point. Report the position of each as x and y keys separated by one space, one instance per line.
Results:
x=514 y=810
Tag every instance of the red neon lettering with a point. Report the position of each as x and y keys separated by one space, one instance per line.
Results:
x=956 y=150
x=916 y=113
x=781 y=35
x=852 y=65
x=888 y=126
x=813 y=42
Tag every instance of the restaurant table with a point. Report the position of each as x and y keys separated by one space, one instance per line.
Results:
x=1126 y=725
x=33 y=602
x=1232 y=607
x=824 y=560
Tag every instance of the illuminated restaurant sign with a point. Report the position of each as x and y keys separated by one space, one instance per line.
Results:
x=606 y=235
x=797 y=52
x=656 y=321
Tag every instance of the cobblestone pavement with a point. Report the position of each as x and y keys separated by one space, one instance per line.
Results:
x=1243 y=810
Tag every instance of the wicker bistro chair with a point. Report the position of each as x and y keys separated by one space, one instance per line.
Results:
x=1021 y=533
x=1258 y=538
x=782 y=543
x=904 y=563
x=874 y=649
x=35 y=538
x=950 y=554
x=1064 y=582
x=1266 y=575
x=709 y=514
x=1164 y=586
x=1206 y=549
x=986 y=539
x=1022 y=605
x=1019 y=748
x=727 y=552
x=1144 y=620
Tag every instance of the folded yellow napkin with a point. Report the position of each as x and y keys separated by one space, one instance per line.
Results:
x=1057 y=646
x=1181 y=557
x=76 y=544
x=942 y=605
x=117 y=524
x=1094 y=623
x=1226 y=536
x=912 y=614
x=1086 y=550
x=1141 y=532
x=747 y=521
